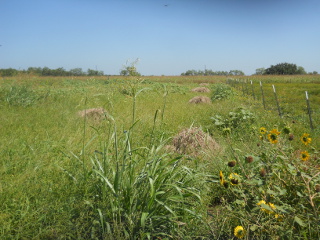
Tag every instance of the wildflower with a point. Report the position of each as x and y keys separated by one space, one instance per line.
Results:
x=221 y=178
x=239 y=232
x=279 y=217
x=232 y=163
x=273 y=136
x=305 y=139
x=249 y=159
x=234 y=178
x=304 y=156
x=271 y=205
x=263 y=130
x=261 y=202
x=286 y=130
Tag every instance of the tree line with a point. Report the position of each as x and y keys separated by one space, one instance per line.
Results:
x=283 y=69
x=9 y=72
x=209 y=72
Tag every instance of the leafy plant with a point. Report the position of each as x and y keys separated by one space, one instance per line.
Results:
x=234 y=119
x=272 y=192
x=222 y=91
x=19 y=96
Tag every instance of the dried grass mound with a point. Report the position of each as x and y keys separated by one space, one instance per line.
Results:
x=200 y=89
x=95 y=114
x=204 y=84
x=193 y=142
x=200 y=99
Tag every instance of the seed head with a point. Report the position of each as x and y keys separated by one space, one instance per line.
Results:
x=232 y=163
x=263 y=172
x=291 y=137
x=249 y=159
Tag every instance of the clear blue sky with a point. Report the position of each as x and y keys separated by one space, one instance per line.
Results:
x=221 y=35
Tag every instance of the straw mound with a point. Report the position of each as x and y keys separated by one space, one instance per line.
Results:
x=200 y=99
x=200 y=89
x=204 y=84
x=93 y=113
x=193 y=142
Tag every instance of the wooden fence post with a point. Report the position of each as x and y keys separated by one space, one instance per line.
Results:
x=263 y=101
x=309 y=111
x=253 y=95
x=275 y=95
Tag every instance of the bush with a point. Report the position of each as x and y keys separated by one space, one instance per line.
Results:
x=222 y=91
x=272 y=193
x=19 y=96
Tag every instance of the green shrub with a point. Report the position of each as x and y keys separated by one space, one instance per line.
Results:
x=19 y=96
x=272 y=192
x=222 y=91
x=234 y=119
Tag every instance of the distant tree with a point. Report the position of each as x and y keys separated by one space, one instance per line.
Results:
x=260 y=71
x=92 y=72
x=236 y=73
x=34 y=70
x=209 y=72
x=301 y=70
x=8 y=72
x=282 y=69
x=130 y=70
x=77 y=72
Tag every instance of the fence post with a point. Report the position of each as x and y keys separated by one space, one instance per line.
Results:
x=263 y=101
x=309 y=111
x=242 y=87
x=275 y=95
x=254 y=97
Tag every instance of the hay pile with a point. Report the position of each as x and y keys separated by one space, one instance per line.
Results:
x=194 y=142
x=200 y=89
x=95 y=114
x=200 y=99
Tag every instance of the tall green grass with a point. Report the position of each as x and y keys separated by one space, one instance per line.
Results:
x=65 y=177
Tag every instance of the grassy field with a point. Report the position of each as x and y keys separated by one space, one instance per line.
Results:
x=143 y=169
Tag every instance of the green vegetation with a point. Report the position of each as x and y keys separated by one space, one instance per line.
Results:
x=118 y=175
x=283 y=69
x=209 y=72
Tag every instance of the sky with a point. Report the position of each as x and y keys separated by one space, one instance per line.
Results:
x=168 y=37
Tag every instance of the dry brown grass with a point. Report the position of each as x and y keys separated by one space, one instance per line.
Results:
x=200 y=99
x=201 y=89
x=204 y=84
x=194 y=142
x=95 y=114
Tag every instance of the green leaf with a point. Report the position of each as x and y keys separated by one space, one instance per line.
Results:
x=253 y=228
x=299 y=221
x=143 y=219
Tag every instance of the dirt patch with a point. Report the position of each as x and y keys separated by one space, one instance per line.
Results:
x=200 y=89
x=200 y=99
x=95 y=114
x=194 y=142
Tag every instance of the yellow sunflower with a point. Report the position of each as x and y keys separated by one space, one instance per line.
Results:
x=263 y=130
x=273 y=136
x=239 y=232
x=234 y=178
x=305 y=139
x=271 y=205
x=221 y=178
x=304 y=156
